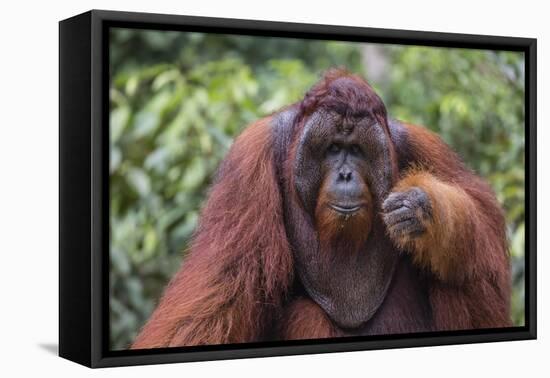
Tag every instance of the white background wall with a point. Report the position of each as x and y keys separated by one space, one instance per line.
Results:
x=29 y=188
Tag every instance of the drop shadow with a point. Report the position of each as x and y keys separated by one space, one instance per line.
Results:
x=50 y=348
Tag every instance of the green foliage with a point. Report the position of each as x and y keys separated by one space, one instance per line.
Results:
x=179 y=99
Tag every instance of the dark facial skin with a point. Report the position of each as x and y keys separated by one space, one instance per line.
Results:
x=344 y=168
x=336 y=146
x=342 y=173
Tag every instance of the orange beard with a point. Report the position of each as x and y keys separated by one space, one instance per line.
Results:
x=350 y=231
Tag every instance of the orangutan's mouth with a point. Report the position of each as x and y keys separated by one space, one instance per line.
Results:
x=345 y=209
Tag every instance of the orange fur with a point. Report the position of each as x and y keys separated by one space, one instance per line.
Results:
x=446 y=244
x=234 y=284
x=240 y=266
x=304 y=319
x=465 y=246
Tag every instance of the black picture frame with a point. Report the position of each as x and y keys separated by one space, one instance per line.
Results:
x=84 y=190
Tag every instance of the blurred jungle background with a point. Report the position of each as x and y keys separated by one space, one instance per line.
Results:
x=178 y=99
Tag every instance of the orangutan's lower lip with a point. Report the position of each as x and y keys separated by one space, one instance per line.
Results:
x=345 y=209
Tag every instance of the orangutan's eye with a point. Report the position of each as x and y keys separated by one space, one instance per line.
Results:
x=333 y=149
x=355 y=150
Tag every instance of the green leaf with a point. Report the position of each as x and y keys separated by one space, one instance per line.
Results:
x=140 y=181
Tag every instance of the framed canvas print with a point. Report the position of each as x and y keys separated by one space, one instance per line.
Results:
x=234 y=188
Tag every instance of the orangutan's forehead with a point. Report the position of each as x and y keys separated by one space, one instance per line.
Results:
x=346 y=123
x=324 y=127
x=344 y=110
